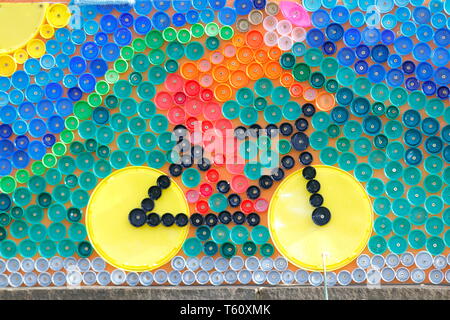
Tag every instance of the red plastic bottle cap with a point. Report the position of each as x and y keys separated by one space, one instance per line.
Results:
x=192 y=196
x=163 y=100
x=179 y=98
x=212 y=175
x=219 y=159
x=212 y=111
x=223 y=125
x=190 y=122
x=239 y=183
x=206 y=190
x=174 y=82
x=191 y=88
x=296 y=90
x=193 y=107
x=247 y=206
x=176 y=115
x=234 y=164
x=206 y=95
x=206 y=125
x=261 y=205
x=202 y=206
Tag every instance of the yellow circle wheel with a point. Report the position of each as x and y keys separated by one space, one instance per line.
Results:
x=308 y=245
x=7 y=65
x=115 y=239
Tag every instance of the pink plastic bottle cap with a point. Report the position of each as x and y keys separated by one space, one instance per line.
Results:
x=179 y=98
x=163 y=100
x=217 y=57
x=174 y=82
x=206 y=190
x=298 y=34
x=271 y=39
x=310 y=94
x=261 y=205
x=295 y=13
x=212 y=111
x=235 y=168
x=270 y=23
x=176 y=115
x=204 y=65
x=223 y=125
x=239 y=183
x=193 y=107
x=192 y=196
x=285 y=43
x=229 y=51
x=284 y=27
x=206 y=80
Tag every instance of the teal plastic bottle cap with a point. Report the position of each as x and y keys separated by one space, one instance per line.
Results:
x=231 y=109
x=16 y=212
x=245 y=97
x=446 y=195
x=362 y=146
x=382 y=205
x=191 y=177
x=44 y=199
x=147 y=141
x=284 y=146
x=85 y=161
x=435 y=245
x=347 y=161
x=253 y=171
x=79 y=198
x=320 y=120
x=220 y=233
x=47 y=248
x=227 y=250
x=192 y=247
x=273 y=114
x=118 y=122
x=434 y=107
x=218 y=202
x=329 y=156
x=56 y=231
x=377 y=159
x=418 y=216
x=398 y=96
x=401 y=226
x=343 y=144
x=382 y=226
x=416 y=195
x=394 y=189
x=27 y=248
x=156 y=159
x=318 y=140
x=57 y=212
x=397 y=244
x=118 y=159
x=203 y=233
x=333 y=131
x=5 y=219
x=86 y=130
x=105 y=135
x=3 y=234
x=412 y=176
x=34 y=214
x=280 y=95
x=87 y=180
x=363 y=172
x=84 y=249
x=260 y=234
x=434 y=204
x=447 y=238
x=239 y=234
x=249 y=248
x=261 y=103
x=417 y=239
x=267 y=250
x=8 y=249
x=136 y=157
x=248 y=116
x=37 y=232
x=210 y=248
x=375 y=187
x=263 y=87
x=137 y=126
x=264 y=143
x=166 y=141
x=434 y=226
x=393 y=170
x=432 y=183
x=401 y=207
x=53 y=176
x=291 y=110
x=18 y=229
x=393 y=129
x=77 y=232
x=395 y=150
x=37 y=184
x=66 y=248
x=377 y=244
x=352 y=129
x=433 y=164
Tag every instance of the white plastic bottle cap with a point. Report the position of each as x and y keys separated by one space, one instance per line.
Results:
x=118 y=277
x=301 y=276
x=244 y=276
x=160 y=276
x=146 y=278
x=132 y=279
x=270 y=23
x=418 y=275
x=285 y=43
x=259 y=277
x=344 y=278
x=315 y=278
x=188 y=277
x=202 y=277
x=230 y=276
x=89 y=278
x=298 y=34
x=174 y=277
x=287 y=277
x=284 y=27
x=271 y=39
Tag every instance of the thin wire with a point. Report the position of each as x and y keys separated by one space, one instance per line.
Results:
x=325 y=287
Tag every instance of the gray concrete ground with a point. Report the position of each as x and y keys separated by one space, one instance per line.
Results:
x=409 y=292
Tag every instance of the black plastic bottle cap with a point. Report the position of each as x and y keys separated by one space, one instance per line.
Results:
x=253 y=192
x=240 y=133
x=211 y=219
x=300 y=141
x=186 y=160
x=223 y=186
x=175 y=170
x=234 y=200
x=137 y=217
x=272 y=130
x=286 y=129
x=204 y=164
x=277 y=174
x=316 y=200
x=154 y=192
x=181 y=220
x=238 y=217
x=197 y=219
x=321 y=216
x=225 y=217
x=265 y=182
x=306 y=158
x=147 y=204
x=313 y=186
x=309 y=173
x=287 y=162
x=153 y=219
x=163 y=181
x=167 y=219
x=308 y=109
x=253 y=219
x=301 y=124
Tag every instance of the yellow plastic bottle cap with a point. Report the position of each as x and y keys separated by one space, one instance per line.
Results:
x=36 y=48
x=7 y=65
x=20 y=55
x=46 y=31
x=305 y=243
x=115 y=239
x=325 y=101
x=58 y=15
x=19 y=22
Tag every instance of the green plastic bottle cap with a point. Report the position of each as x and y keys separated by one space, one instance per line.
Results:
x=284 y=146
x=318 y=140
x=301 y=72
x=434 y=107
x=263 y=87
x=227 y=250
x=267 y=250
x=34 y=214
x=433 y=183
x=362 y=86
x=120 y=66
x=112 y=76
x=169 y=34
x=212 y=43
x=127 y=53
x=38 y=168
x=320 y=120
x=71 y=123
x=317 y=80
x=22 y=176
x=7 y=184
x=226 y=32
x=139 y=45
x=231 y=109
x=5 y=219
x=197 y=30
x=171 y=66
x=44 y=199
x=273 y=114
x=80 y=197
x=66 y=136
x=154 y=39
x=102 y=87
x=220 y=233
x=184 y=36
x=398 y=96
x=212 y=29
x=417 y=100
x=16 y=212
x=345 y=76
